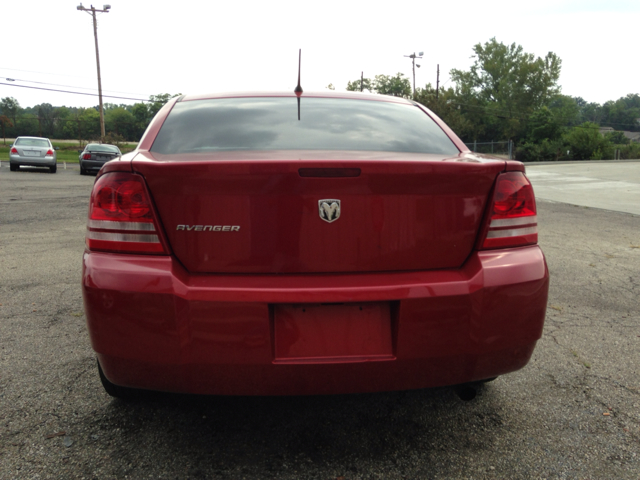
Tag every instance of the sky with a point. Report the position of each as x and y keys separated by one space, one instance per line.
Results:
x=195 y=47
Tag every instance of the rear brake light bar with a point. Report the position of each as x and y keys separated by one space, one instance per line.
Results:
x=514 y=220
x=121 y=218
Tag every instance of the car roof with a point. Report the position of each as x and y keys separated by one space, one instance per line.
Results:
x=34 y=138
x=330 y=94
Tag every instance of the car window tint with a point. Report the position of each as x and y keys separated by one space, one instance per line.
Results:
x=32 y=142
x=102 y=148
x=325 y=124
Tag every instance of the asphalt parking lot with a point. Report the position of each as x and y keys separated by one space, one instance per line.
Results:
x=573 y=412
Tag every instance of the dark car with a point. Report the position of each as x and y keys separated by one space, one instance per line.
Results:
x=319 y=243
x=95 y=155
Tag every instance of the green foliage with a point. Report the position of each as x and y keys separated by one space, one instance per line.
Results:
x=120 y=122
x=397 y=85
x=355 y=85
x=621 y=114
x=566 y=110
x=617 y=138
x=631 y=151
x=543 y=125
x=89 y=124
x=446 y=106
x=10 y=107
x=114 y=139
x=508 y=84
x=544 y=151
x=585 y=142
x=158 y=101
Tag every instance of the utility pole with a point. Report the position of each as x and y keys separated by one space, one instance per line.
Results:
x=437 y=82
x=413 y=57
x=361 y=79
x=92 y=11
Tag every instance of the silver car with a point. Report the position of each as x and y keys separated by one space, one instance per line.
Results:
x=32 y=152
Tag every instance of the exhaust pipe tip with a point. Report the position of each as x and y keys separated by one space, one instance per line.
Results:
x=466 y=393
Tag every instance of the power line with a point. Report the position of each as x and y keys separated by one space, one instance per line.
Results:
x=71 y=86
x=75 y=93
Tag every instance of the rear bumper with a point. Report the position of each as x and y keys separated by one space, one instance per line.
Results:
x=32 y=161
x=92 y=165
x=155 y=326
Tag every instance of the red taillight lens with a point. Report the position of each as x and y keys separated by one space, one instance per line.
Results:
x=86 y=156
x=514 y=221
x=14 y=150
x=49 y=152
x=120 y=216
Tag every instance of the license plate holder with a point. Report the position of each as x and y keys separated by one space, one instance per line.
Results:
x=333 y=333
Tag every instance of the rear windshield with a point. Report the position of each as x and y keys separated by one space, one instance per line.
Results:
x=32 y=142
x=96 y=147
x=324 y=124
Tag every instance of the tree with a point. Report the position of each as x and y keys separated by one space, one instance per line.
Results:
x=586 y=143
x=46 y=119
x=617 y=138
x=566 y=110
x=509 y=84
x=397 y=85
x=10 y=107
x=356 y=84
x=542 y=125
x=447 y=106
x=622 y=114
x=158 y=101
x=121 y=122
x=89 y=124
x=5 y=120
x=141 y=118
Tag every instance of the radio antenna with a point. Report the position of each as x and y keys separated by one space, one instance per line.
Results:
x=298 y=89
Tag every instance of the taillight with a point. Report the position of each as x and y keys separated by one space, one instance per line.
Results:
x=86 y=156
x=513 y=219
x=49 y=152
x=120 y=216
x=14 y=150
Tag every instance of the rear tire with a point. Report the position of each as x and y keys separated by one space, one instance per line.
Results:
x=53 y=169
x=13 y=167
x=116 y=391
x=82 y=170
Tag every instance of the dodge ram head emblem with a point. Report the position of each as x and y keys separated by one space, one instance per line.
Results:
x=329 y=209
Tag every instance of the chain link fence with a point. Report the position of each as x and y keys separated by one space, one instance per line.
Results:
x=504 y=148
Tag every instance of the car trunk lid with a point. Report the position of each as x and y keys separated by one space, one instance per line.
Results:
x=239 y=212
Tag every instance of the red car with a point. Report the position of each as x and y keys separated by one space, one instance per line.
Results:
x=323 y=243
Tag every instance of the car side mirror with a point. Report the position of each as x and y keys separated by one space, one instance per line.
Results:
x=80 y=151
x=56 y=148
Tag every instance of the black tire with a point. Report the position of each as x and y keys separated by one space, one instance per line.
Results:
x=82 y=170
x=116 y=391
x=53 y=169
x=14 y=168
